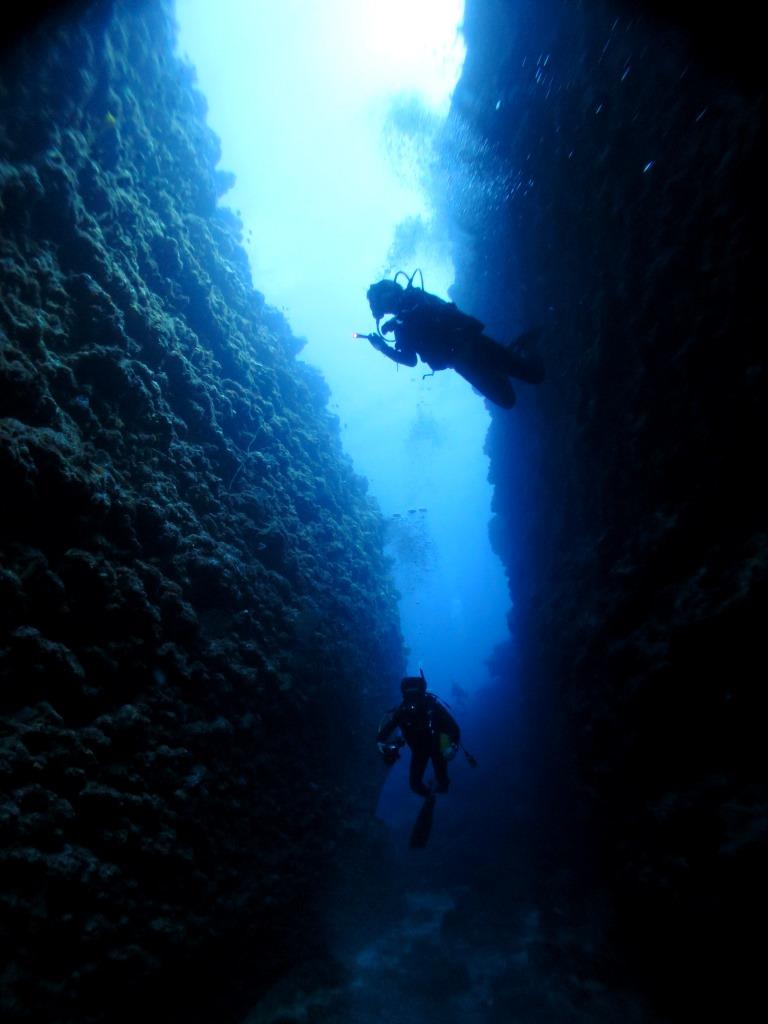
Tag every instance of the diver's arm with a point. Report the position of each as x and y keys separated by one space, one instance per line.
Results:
x=395 y=354
x=389 y=726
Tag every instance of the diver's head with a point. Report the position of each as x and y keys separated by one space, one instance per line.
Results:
x=385 y=297
x=413 y=689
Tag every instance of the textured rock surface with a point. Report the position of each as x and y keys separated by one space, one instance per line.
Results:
x=612 y=194
x=193 y=598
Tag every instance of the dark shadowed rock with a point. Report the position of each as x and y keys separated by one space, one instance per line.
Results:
x=176 y=509
x=622 y=183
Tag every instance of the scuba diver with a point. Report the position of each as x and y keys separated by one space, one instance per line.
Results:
x=429 y=730
x=436 y=331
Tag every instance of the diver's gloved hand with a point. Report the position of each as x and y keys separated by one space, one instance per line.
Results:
x=376 y=341
x=390 y=752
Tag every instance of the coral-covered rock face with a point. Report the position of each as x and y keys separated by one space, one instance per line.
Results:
x=195 y=613
x=618 y=212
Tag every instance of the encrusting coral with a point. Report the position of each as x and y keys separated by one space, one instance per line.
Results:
x=192 y=574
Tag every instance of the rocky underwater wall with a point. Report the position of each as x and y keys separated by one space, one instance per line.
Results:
x=195 y=610
x=601 y=173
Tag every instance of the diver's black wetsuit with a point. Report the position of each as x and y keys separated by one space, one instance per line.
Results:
x=421 y=721
x=438 y=333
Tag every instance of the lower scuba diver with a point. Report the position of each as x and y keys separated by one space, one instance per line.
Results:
x=437 y=332
x=427 y=727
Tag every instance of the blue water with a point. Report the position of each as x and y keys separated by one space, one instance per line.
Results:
x=322 y=183
x=324 y=177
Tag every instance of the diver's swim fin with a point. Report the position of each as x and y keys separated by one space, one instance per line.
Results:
x=422 y=827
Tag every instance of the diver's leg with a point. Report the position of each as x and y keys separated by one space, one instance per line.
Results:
x=419 y=760
x=520 y=359
x=441 y=772
x=495 y=386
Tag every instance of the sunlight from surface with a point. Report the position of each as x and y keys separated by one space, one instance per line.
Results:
x=404 y=46
x=299 y=93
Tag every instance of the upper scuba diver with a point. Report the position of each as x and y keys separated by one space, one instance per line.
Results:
x=437 y=332
x=429 y=730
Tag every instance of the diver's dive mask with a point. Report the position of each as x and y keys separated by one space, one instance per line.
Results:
x=414 y=690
